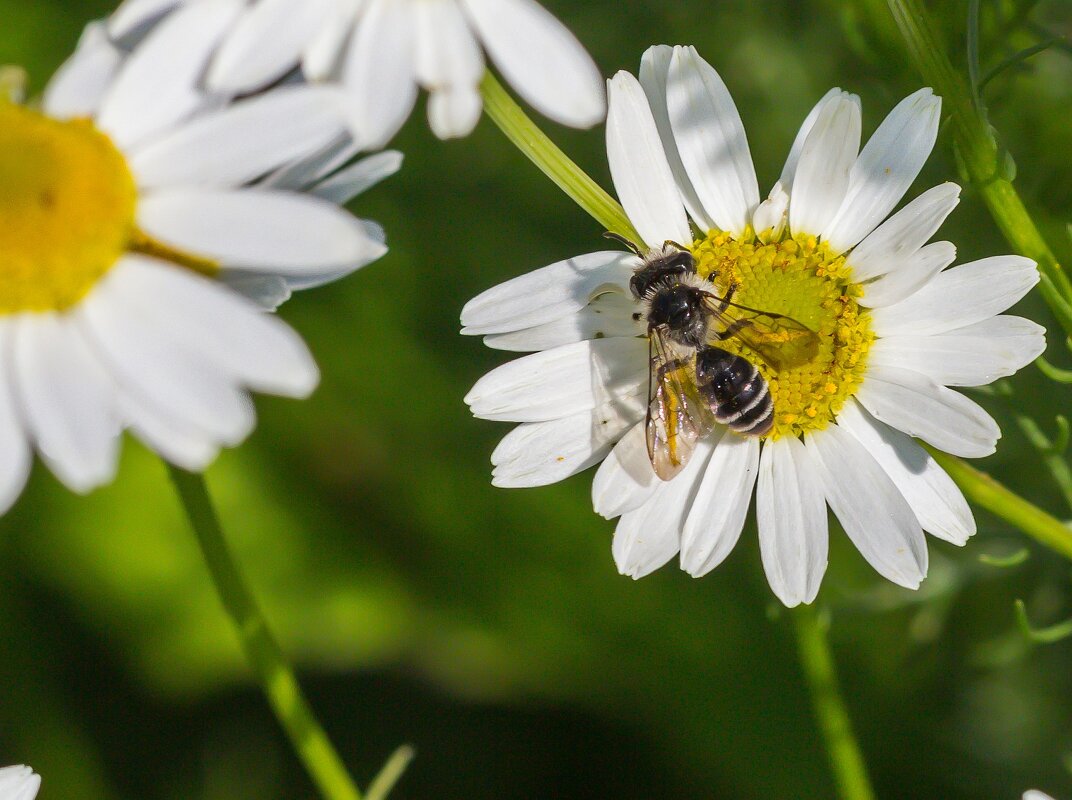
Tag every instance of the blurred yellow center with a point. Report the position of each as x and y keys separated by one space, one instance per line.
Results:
x=800 y=279
x=67 y=201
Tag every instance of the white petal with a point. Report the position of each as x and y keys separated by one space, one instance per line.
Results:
x=67 y=400
x=158 y=84
x=175 y=440
x=133 y=14
x=81 y=81
x=446 y=54
x=348 y=183
x=547 y=294
x=234 y=145
x=974 y=355
x=654 y=71
x=889 y=162
x=265 y=43
x=916 y=405
x=714 y=522
x=566 y=380
x=789 y=170
x=267 y=291
x=15 y=454
x=378 y=73
x=625 y=480
x=539 y=453
x=791 y=514
x=821 y=178
x=259 y=230
x=1035 y=794
x=904 y=233
x=324 y=52
x=908 y=277
x=541 y=59
x=152 y=362
x=648 y=537
x=711 y=139
x=638 y=166
x=772 y=215
x=869 y=506
x=959 y=296
x=610 y=314
x=935 y=500
x=257 y=349
x=19 y=783
x=449 y=64
x=300 y=174
x=453 y=113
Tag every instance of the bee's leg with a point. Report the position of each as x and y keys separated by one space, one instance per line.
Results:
x=621 y=239
x=670 y=366
x=725 y=300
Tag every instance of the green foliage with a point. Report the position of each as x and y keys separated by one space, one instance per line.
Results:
x=488 y=627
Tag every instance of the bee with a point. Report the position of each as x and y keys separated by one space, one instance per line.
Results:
x=692 y=382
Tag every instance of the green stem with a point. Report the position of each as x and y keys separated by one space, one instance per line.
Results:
x=979 y=153
x=817 y=660
x=987 y=493
x=277 y=678
x=555 y=164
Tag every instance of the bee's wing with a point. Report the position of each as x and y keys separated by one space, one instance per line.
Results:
x=779 y=340
x=677 y=416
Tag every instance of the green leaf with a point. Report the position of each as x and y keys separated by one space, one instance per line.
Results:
x=1053 y=373
x=1017 y=58
x=1006 y=562
x=392 y=771
x=1054 y=633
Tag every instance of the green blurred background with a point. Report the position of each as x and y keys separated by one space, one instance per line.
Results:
x=489 y=627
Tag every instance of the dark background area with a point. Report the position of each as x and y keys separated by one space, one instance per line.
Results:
x=487 y=627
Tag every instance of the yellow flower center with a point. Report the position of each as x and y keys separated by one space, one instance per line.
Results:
x=67 y=202
x=67 y=208
x=800 y=279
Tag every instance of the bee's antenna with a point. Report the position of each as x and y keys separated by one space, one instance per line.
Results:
x=622 y=240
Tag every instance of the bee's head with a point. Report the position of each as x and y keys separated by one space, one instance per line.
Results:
x=666 y=263
x=679 y=308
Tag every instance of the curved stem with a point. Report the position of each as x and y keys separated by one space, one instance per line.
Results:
x=817 y=660
x=987 y=493
x=277 y=678
x=545 y=154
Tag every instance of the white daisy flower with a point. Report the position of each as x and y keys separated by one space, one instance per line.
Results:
x=1035 y=794
x=18 y=783
x=895 y=331
x=382 y=50
x=128 y=203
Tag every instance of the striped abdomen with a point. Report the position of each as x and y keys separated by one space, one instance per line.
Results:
x=735 y=390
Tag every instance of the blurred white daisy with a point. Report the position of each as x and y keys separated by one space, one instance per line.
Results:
x=1035 y=794
x=18 y=783
x=382 y=50
x=130 y=199
x=896 y=330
